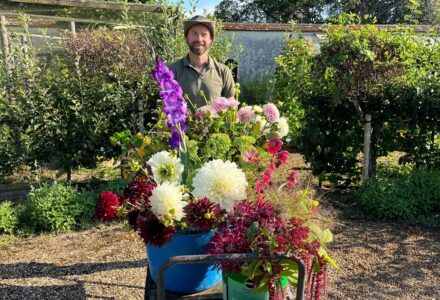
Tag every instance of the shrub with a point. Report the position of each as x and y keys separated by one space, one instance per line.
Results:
x=362 y=70
x=402 y=197
x=8 y=217
x=52 y=208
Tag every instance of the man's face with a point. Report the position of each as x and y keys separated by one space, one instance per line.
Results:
x=198 y=39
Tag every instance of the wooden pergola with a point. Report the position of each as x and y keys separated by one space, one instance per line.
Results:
x=96 y=4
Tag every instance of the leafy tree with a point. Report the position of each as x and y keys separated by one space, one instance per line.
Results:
x=271 y=11
x=316 y=11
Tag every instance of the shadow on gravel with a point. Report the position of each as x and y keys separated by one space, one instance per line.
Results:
x=27 y=270
x=12 y=292
x=39 y=270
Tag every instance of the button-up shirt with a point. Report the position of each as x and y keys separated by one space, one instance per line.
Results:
x=214 y=79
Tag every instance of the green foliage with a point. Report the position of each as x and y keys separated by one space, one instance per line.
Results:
x=257 y=91
x=116 y=186
x=8 y=217
x=388 y=169
x=391 y=75
x=53 y=208
x=386 y=12
x=402 y=197
x=65 y=109
x=293 y=82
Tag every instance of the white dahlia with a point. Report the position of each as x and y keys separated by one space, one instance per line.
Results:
x=166 y=167
x=283 y=127
x=166 y=201
x=221 y=182
x=262 y=124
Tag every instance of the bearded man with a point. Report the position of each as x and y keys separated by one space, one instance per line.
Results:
x=197 y=73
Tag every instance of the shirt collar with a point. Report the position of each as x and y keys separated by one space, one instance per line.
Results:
x=209 y=63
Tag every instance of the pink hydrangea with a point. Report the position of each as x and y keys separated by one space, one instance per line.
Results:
x=246 y=114
x=271 y=112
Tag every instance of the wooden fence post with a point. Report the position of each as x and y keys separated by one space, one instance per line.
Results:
x=5 y=45
x=24 y=43
x=72 y=27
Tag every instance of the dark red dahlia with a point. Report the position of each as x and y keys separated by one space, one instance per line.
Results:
x=138 y=192
x=106 y=206
x=230 y=240
x=202 y=214
x=154 y=232
x=245 y=213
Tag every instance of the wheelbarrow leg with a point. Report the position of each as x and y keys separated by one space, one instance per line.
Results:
x=148 y=283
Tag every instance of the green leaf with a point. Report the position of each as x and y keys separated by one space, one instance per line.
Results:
x=252 y=231
x=262 y=285
x=252 y=270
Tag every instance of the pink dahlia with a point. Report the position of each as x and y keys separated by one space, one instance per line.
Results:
x=271 y=112
x=220 y=104
x=251 y=156
x=246 y=114
x=106 y=206
x=208 y=109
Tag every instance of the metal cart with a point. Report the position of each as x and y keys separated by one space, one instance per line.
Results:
x=157 y=291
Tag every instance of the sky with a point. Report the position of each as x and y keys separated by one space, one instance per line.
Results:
x=209 y=5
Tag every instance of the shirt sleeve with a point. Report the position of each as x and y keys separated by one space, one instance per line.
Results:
x=228 y=90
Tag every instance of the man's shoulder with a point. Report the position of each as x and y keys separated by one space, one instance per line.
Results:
x=176 y=65
x=220 y=66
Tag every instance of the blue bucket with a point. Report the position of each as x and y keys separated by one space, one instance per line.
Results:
x=187 y=278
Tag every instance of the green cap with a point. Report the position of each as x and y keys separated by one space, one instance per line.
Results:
x=187 y=24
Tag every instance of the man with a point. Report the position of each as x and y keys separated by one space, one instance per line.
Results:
x=199 y=73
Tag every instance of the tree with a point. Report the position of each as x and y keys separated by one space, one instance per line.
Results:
x=316 y=11
x=390 y=11
x=271 y=11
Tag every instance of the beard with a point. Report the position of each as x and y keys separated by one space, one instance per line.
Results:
x=198 y=48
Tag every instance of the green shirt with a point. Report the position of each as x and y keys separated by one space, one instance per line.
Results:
x=215 y=80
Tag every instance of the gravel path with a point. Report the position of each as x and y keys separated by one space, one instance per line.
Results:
x=377 y=260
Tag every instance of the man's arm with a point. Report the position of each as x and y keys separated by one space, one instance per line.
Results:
x=228 y=90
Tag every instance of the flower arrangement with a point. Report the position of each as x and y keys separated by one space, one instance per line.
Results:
x=214 y=168
x=258 y=226
x=171 y=195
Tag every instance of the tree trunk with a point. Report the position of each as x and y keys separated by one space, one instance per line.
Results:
x=69 y=174
x=367 y=149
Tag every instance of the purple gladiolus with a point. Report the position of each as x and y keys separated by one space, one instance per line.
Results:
x=174 y=139
x=174 y=105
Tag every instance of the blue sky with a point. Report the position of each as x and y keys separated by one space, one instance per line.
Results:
x=209 y=5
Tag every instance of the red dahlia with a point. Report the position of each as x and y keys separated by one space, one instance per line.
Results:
x=138 y=191
x=202 y=214
x=152 y=231
x=106 y=206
